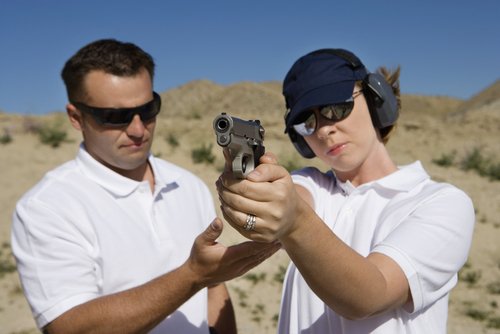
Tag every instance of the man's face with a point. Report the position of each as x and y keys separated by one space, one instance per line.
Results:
x=124 y=149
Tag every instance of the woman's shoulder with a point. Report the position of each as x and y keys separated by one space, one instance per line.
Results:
x=312 y=172
x=313 y=177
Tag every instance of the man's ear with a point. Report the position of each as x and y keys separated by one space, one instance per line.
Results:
x=75 y=116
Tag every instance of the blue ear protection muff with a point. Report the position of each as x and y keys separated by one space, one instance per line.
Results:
x=300 y=144
x=382 y=103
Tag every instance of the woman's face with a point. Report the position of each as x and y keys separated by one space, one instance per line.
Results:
x=349 y=146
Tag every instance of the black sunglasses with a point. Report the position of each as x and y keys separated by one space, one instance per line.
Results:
x=122 y=116
x=307 y=123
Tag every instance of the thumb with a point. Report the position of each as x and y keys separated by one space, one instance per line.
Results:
x=228 y=162
x=267 y=173
x=213 y=231
x=269 y=158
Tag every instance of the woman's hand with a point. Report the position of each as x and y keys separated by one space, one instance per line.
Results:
x=268 y=193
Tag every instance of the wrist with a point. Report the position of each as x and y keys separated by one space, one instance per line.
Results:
x=301 y=219
x=191 y=276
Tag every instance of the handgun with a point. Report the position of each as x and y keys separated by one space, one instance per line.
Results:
x=244 y=140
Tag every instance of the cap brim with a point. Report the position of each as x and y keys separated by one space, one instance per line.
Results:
x=324 y=95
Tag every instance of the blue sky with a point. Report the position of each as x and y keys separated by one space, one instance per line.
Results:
x=444 y=47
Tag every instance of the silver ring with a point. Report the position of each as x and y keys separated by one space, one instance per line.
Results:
x=250 y=223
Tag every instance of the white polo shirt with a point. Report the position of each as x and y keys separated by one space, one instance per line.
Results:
x=426 y=227
x=85 y=231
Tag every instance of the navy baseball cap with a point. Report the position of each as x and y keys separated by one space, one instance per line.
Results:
x=321 y=77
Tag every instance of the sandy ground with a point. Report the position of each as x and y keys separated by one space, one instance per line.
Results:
x=425 y=136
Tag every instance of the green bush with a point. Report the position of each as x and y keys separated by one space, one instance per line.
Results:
x=203 y=154
x=470 y=276
x=476 y=314
x=172 y=140
x=291 y=165
x=280 y=275
x=494 y=288
x=6 y=262
x=6 y=266
x=254 y=278
x=52 y=134
x=446 y=160
x=494 y=322
x=6 y=137
x=493 y=171
x=473 y=160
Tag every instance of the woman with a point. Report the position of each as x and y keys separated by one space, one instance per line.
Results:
x=375 y=248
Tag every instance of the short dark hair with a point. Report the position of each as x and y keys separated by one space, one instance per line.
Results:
x=108 y=55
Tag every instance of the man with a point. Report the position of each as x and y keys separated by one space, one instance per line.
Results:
x=106 y=243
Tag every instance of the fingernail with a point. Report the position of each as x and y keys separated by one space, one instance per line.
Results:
x=215 y=225
x=254 y=173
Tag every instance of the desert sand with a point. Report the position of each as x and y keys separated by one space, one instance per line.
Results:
x=430 y=128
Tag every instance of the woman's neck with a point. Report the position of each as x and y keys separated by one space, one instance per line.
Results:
x=376 y=166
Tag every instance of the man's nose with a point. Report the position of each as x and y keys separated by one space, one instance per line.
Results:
x=136 y=127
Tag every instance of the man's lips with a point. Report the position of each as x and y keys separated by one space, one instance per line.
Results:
x=135 y=144
x=336 y=149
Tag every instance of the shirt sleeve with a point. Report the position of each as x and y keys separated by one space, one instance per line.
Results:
x=56 y=271
x=207 y=202
x=431 y=244
x=317 y=183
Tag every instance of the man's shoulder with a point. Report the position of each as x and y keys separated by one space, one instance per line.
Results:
x=171 y=172
x=53 y=181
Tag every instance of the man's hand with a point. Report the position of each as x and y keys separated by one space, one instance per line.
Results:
x=213 y=263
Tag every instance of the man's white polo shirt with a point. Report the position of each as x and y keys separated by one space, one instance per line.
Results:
x=85 y=231
x=426 y=227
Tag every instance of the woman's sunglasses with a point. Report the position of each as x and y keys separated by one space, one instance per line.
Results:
x=307 y=123
x=122 y=116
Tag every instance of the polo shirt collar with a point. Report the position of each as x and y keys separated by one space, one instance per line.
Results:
x=402 y=180
x=115 y=183
x=405 y=178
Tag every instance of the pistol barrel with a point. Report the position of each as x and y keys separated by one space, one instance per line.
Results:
x=244 y=140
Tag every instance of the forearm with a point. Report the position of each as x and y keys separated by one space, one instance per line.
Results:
x=140 y=309
x=136 y=310
x=221 y=316
x=350 y=284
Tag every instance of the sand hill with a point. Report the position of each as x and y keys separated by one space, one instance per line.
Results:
x=446 y=134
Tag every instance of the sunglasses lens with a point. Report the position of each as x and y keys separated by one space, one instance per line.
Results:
x=307 y=126
x=151 y=109
x=114 y=117
x=123 y=116
x=336 y=112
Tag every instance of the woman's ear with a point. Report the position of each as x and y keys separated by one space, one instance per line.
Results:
x=75 y=116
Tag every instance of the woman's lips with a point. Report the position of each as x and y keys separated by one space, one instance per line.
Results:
x=336 y=149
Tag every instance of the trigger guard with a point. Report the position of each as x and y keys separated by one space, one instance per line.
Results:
x=238 y=167
x=242 y=165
